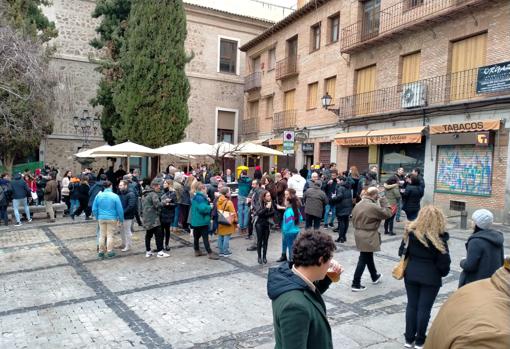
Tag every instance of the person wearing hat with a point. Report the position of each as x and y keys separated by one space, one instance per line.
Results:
x=484 y=249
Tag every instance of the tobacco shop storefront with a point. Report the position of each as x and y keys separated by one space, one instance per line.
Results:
x=470 y=164
x=389 y=149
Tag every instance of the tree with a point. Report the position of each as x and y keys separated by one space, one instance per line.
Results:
x=27 y=18
x=151 y=95
x=26 y=95
x=114 y=15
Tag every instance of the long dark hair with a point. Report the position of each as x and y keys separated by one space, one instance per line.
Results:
x=294 y=203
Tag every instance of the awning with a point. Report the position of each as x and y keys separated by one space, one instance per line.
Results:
x=396 y=135
x=352 y=138
x=466 y=126
x=259 y=141
x=276 y=141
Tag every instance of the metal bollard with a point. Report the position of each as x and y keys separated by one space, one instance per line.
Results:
x=463 y=220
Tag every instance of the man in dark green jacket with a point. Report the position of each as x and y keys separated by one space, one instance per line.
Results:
x=299 y=312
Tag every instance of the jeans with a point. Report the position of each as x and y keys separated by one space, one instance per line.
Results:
x=106 y=231
x=343 y=226
x=411 y=215
x=125 y=232
x=399 y=208
x=3 y=214
x=328 y=209
x=223 y=243
x=313 y=220
x=243 y=213
x=201 y=232
x=74 y=205
x=49 y=209
x=15 y=206
x=289 y=242
x=420 y=299
x=158 y=235
x=388 y=224
x=366 y=259
x=175 y=223
x=262 y=239
x=166 y=233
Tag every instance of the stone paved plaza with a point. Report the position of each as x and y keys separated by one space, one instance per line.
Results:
x=54 y=293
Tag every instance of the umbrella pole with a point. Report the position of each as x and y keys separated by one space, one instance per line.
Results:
x=127 y=164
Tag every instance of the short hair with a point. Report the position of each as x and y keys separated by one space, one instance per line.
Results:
x=256 y=181
x=156 y=182
x=5 y=174
x=224 y=190
x=371 y=191
x=294 y=170
x=310 y=246
x=126 y=183
x=107 y=184
x=334 y=171
x=417 y=170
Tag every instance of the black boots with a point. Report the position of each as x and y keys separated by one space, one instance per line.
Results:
x=283 y=258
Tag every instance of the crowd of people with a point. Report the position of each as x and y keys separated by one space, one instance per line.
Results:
x=199 y=202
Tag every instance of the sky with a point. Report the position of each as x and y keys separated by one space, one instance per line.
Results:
x=253 y=8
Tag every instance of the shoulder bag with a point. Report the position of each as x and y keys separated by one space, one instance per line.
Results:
x=224 y=217
x=399 y=269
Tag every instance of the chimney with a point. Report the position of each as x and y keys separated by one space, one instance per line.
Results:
x=301 y=3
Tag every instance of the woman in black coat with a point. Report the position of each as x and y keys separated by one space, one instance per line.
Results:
x=83 y=198
x=484 y=248
x=412 y=196
x=428 y=260
x=342 y=200
x=264 y=212
x=169 y=201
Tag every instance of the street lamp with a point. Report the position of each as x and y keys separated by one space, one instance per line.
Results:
x=326 y=102
x=86 y=125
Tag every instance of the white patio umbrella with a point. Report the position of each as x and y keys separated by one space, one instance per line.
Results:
x=186 y=149
x=249 y=148
x=89 y=153
x=222 y=148
x=128 y=149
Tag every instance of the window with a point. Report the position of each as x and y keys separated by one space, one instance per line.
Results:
x=228 y=56
x=410 y=68
x=325 y=153
x=255 y=64
x=226 y=126
x=365 y=84
x=269 y=107
x=271 y=59
x=334 y=28
x=329 y=87
x=288 y=99
x=371 y=15
x=254 y=109
x=467 y=55
x=225 y=136
x=315 y=37
x=410 y=4
x=312 y=95
x=292 y=46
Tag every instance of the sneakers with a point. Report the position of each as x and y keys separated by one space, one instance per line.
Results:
x=100 y=255
x=326 y=226
x=378 y=280
x=213 y=256
x=30 y=220
x=418 y=346
x=227 y=254
x=148 y=254
x=162 y=254
x=111 y=254
x=125 y=249
x=18 y=224
x=408 y=345
x=359 y=288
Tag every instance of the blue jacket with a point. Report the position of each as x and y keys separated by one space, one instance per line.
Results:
x=107 y=206
x=288 y=225
x=19 y=188
x=200 y=210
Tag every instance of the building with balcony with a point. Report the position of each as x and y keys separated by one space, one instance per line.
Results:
x=428 y=86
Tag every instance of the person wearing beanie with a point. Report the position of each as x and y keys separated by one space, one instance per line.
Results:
x=484 y=249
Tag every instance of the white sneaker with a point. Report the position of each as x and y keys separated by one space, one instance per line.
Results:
x=30 y=220
x=18 y=224
x=162 y=254
x=148 y=254
x=378 y=280
x=418 y=346
x=125 y=249
x=408 y=345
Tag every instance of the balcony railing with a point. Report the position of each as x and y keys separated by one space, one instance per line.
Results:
x=251 y=126
x=284 y=120
x=436 y=91
x=286 y=67
x=252 y=81
x=404 y=14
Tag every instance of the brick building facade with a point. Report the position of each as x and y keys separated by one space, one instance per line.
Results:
x=402 y=67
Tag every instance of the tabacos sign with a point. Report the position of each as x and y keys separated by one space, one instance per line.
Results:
x=468 y=126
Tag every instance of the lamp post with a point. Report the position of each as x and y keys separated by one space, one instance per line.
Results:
x=326 y=102
x=86 y=125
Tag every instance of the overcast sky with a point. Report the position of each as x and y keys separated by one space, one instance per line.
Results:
x=252 y=8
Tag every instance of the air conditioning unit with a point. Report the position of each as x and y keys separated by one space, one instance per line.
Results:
x=414 y=95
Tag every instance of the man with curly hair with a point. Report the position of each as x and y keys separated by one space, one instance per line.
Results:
x=296 y=288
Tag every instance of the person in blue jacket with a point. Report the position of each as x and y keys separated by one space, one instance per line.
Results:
x=291 y=219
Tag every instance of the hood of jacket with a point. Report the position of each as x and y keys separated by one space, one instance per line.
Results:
x=492 y=236
x=147 y=191
x=222 y=200
x=281 y=280
x=390 y=186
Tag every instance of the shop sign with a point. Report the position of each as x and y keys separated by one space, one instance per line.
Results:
x=493 y=78
x=352 y=141
x=468 y=126
x=482 y=139
x=307 y=147
x=395 y=139
x=288 y=142
x=473 y=138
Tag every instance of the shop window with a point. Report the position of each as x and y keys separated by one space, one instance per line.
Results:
x=464 y=169
x=407 y=156
x=312 y=95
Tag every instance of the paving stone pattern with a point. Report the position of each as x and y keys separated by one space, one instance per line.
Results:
x=54 y=293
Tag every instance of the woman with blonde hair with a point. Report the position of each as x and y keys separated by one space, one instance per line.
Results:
x=428 y=260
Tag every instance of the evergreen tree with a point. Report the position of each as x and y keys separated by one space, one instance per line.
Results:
x=27 y=17
x=151 y=96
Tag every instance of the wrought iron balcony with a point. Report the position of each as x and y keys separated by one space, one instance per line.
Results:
x=286 y=67
x=403 y=15
x=284 y=120
x=436 y=91
x=251 y=126
x=252 y=81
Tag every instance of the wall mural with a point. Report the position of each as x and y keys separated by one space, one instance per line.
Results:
x=464 y=169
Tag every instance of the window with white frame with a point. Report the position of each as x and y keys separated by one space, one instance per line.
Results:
x=228 y=56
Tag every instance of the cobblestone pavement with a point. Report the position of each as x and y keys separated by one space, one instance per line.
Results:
x=54 y=293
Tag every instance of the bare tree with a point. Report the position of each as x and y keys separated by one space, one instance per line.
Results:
x=27 y=95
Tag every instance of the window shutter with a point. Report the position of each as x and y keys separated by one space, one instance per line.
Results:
x=411 y=68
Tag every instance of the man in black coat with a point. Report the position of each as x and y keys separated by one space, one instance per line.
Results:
x=129 y=204
x=485 y=252
x=343 y=207
x=20 y=192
